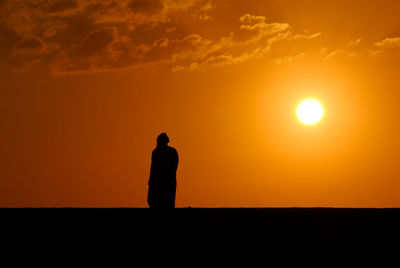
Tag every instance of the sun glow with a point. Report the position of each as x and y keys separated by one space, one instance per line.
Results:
x=310 y=111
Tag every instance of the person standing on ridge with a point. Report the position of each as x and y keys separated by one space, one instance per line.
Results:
x=162 y=182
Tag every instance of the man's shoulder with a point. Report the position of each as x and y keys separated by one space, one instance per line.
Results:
x=155 y=151
x=172 y=149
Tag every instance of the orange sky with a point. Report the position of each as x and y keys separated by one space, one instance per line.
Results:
x=86 y=87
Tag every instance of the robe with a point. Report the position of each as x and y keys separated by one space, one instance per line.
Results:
x=162 y=181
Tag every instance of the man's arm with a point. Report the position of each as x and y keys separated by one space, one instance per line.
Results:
x=176 y=161
x=151 y=168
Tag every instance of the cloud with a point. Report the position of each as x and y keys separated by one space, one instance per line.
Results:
x=385 y=47
x=30 y=51
x=389 y=43
x=33 y=46
x=73 y=36
x=353 y=48
x=349 y=49
x=289 y=58
x=107 y=49
x=135 y=13
x=82 y=27
x=252 y=19
x=358 y=48
x=254 y=39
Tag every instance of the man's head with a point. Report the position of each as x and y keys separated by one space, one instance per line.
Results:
x=162 y=139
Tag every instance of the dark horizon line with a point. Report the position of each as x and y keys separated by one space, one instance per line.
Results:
x=190 y=207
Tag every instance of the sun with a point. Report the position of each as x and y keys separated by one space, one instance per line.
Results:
x=310 y=111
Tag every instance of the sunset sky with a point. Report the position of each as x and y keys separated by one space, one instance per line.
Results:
x=87 y=85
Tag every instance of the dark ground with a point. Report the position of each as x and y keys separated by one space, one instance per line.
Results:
x=235 y=230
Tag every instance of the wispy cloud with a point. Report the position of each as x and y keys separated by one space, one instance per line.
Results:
x=82 y=35
x=74 y=36
x=254 y=39
x=386 y=46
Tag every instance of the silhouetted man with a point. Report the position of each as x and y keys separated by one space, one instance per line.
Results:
x=162 y=182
